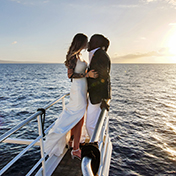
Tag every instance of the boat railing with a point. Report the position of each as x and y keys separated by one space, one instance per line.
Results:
x=38 y=141
x=100 y=135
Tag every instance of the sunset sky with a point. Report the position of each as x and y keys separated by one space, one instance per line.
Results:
x=140 y=31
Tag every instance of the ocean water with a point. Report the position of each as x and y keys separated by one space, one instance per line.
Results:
x=142 y=114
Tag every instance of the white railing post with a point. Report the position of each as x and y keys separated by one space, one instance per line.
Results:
x=41 y=144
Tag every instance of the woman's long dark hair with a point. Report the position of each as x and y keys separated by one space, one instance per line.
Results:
x=79 y=42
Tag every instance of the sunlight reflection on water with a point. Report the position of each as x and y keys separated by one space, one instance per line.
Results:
x=142 y=112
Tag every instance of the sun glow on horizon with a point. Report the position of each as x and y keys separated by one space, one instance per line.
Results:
x=169 y=45
x=172 y=44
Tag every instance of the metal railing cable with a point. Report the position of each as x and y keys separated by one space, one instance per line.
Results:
x=25 y=122
x=19 y=126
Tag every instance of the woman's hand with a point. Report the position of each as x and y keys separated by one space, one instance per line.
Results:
x=92 y=74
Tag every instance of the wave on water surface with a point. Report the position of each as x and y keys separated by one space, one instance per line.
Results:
x=142 y=113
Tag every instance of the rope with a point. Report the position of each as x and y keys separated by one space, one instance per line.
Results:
x=42 y=119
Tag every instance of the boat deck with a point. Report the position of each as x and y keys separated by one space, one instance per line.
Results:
x=68 y=166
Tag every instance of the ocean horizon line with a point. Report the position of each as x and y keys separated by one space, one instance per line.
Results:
x=37 y=62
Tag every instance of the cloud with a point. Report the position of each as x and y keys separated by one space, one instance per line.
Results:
x=127 y=6
x=31 y=2
x=151 y=0
x=160 y=53
x=138 y=55
x=172 y=24
x=148 y=1
x=45 y=1
x=143 y=38
x=171 y=2
x=15 y=42
x=81 y=4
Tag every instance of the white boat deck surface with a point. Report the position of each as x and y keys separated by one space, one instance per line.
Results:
x=68 y=166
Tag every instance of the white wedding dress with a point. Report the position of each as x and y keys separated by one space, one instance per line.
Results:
x=70 y=116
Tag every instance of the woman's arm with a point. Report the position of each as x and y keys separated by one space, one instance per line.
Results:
x=71 y=68
x=72 y=74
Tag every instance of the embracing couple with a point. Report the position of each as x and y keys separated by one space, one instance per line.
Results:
x=89 y=90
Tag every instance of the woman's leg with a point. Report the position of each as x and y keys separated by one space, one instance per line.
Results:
x=77 y=135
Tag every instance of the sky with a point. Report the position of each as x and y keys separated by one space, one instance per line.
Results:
x=140 y=31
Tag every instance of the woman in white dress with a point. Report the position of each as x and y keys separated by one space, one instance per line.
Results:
x=72 y=116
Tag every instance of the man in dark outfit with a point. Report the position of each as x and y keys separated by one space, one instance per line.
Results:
x=99 y=89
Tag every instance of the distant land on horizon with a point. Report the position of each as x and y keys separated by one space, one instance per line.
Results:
x=4 y=62
x=20 y=62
